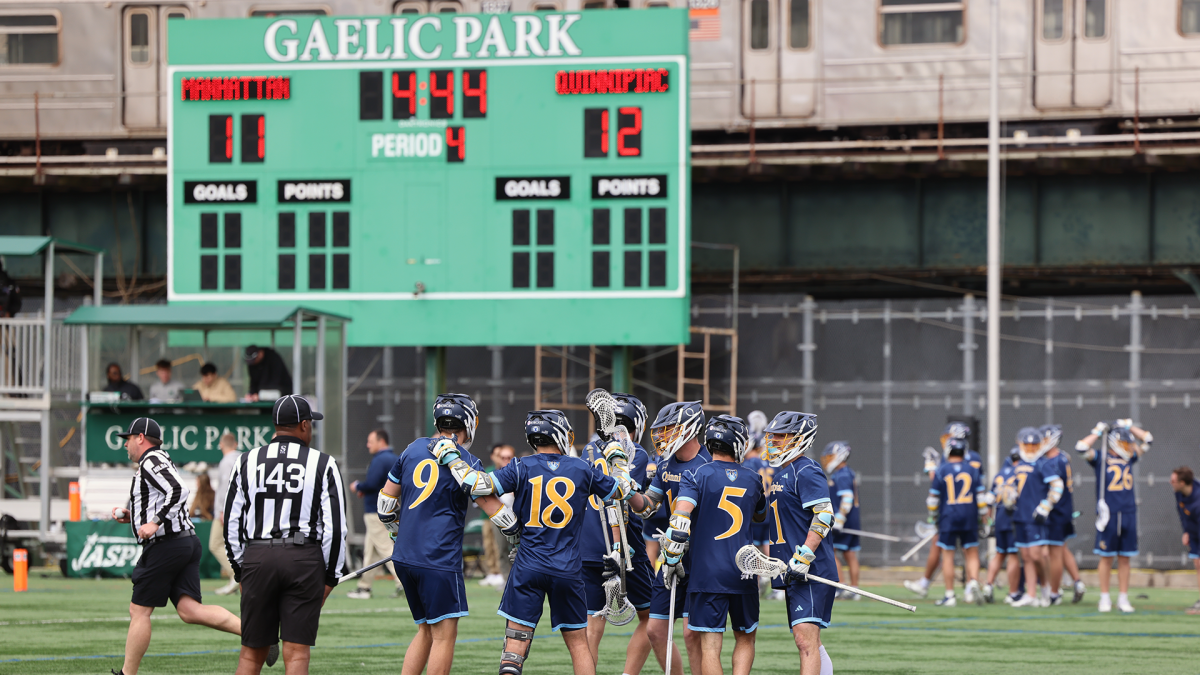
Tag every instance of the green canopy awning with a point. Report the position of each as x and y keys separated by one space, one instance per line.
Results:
x=196 y=316
x=15 y=245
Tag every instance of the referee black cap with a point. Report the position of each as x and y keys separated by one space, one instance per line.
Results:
x=146 y=426
x=292 y=410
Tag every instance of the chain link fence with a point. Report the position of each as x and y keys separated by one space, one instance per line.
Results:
x=884 y=375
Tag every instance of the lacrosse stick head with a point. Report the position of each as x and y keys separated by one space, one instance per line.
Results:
x=604 y=407
x=753 y=562
x=924 y=529
x=617 y=609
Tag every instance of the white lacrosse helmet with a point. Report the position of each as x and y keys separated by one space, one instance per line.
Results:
x=834 y=454
x=789 y=435
x=675 y=425
x=1030 y=444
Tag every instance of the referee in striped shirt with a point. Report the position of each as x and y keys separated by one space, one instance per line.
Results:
x=169 y=567
x=285 y=532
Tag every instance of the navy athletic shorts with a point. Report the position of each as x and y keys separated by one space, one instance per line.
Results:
x=809 y=602
x=660 y=601
x=707 y=611
x=526 y=594
x=433 y=595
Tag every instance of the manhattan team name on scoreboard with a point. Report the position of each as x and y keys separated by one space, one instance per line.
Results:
x=443 y=179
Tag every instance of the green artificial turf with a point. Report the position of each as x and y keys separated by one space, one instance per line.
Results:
x=78 y=626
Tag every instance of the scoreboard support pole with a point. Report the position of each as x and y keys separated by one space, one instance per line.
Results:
x=435 y=381
x=622 y=369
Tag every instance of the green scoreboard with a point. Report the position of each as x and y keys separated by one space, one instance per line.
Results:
x=443 y=179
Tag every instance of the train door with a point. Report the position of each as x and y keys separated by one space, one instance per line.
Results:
x=140 y=67
x=760 y=58
x=164 y=84
x=1072 y=54
x=779 y=63
x=797 y=59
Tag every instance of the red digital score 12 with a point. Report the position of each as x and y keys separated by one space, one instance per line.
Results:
x=627 y=135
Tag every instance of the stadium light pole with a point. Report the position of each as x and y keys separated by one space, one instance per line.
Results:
x=994 y=253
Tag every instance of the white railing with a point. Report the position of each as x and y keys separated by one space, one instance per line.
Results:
x=23 y=353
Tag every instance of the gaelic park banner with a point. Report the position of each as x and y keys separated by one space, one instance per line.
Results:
x=107 y=548
x=187 y=438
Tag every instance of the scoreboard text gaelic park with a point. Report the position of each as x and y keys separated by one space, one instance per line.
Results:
x=443 y=179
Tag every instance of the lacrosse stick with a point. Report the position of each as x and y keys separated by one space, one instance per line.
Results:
x=671 y=627
x=617 y=609
x=917 y=547
x=604 y=408
x=752 y=561
x=1102 y=512
x=925 y=532
x=869 y=535
x=368 y=568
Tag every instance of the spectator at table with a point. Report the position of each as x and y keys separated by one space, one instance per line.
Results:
x=213 y=388
x=118 y=383
x=165 y=390
x=267 y=371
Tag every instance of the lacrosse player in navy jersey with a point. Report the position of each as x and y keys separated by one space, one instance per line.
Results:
x=551 y=489
x=1118 y=538
x=1039 y=489
x=1059 y=525
x=843 y=491
x=600 y=564
x=760 y=532
x=1187 y=503
x=934 y=459
x=677 y=434
x=958 y=505
x=423 y=503
x=1006 y=556
x=801 y=516
x=713 y=512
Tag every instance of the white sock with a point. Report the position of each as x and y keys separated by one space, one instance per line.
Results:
x=1104 y=596
x=826 y=662
x=1122 y=597
x=924 y=582
x=949 y=594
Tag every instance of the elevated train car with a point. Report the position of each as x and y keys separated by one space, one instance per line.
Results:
x=98 y=67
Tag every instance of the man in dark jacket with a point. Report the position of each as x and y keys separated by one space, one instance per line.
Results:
x=118 y=383
x=267 y=371
x=376 y=543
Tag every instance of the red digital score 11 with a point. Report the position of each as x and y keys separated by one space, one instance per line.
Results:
x=627 y=135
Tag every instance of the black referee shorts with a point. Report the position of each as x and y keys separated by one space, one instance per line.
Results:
x=283 y=588
x=167 y=569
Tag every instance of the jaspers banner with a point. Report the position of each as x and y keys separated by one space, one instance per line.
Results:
x=109 y=549
x=187 y=438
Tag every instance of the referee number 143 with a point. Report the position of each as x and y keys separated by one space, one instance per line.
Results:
x=293 y=482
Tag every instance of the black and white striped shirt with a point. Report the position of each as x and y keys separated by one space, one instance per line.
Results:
x=158 y=492
x=282 y=489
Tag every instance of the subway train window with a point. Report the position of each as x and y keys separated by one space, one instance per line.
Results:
x=760 y=24
x=798 y=24
x=1189 y=17
x=596 y=4
x=916 y=22
x=139 y=37
x=409 y=7
x=447 y=7
x=1094 y=18
x=1052 y=19
x=27 y=39
x=300 y=10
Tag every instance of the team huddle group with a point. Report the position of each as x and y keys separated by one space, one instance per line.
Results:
x=711 y=495
x=1030 y=511
x=707 y=498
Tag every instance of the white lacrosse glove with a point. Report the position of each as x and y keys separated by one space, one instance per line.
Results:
x=1100 y=429
x=839 y=521
x=445 y=450
x=798 y=566
x=1125 y=424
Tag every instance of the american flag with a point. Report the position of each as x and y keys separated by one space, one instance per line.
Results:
x=705 y=24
